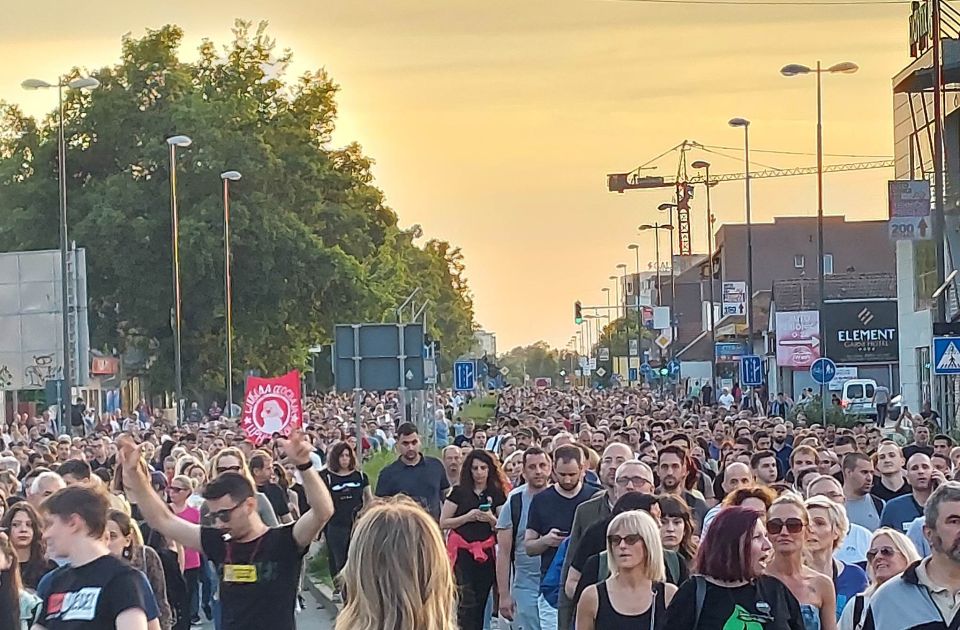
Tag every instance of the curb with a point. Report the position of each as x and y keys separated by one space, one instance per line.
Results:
x=325 y=595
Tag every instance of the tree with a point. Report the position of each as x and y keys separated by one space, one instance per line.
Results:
x=313 y=242
x=535 y=360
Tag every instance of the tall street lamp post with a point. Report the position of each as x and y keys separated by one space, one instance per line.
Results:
x=75 y=84
x=793 y=70
x=173 y=142
x=700 y=164
x=227 y=177
x=656 y=227
x=636 y=297
x=745 y=124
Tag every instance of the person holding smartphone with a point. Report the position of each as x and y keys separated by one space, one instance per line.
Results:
x=470 y=513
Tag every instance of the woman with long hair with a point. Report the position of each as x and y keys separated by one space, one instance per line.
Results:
x=788 y=524
x=676 y=526
x=397 y=575
x=889 y=555
x=827 y=529
x=635 y=595
x=730 y=588
x=124 y=540
x=512 y=469
x=470 y=513
x=350 y=490
x=17 y=604
x=23 y=526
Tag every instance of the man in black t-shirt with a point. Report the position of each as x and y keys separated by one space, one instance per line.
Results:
x=261 y=469
x=259 y=566
x=96 y=591
x=420 y=477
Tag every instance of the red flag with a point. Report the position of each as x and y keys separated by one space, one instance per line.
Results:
x=272 y=406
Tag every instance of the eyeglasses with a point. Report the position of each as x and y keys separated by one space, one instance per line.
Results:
x=226 y=469
x=176 y=489
x=630 y=539
x=637 y=481
x=883 y=552
x=224 y=515
x=793 y=525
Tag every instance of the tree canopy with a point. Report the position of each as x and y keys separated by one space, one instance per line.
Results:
x=314 y=243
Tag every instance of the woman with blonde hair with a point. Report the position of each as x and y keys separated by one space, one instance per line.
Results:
x=827 y=529
x=397 y=574
x=635 y=596
x=788 y=525
x=889 y=555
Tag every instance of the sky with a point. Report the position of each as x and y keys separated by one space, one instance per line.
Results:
x=493 y=124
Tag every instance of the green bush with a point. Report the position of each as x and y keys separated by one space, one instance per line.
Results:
x=814 y=413
x=480 y=409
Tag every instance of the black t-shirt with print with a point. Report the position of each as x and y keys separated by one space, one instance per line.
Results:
x=265 y=597
x=737 y=607
x=91 y=596
x=347 y=494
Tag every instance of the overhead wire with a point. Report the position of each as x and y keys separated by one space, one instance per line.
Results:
x=804 y=153
x=731 y=157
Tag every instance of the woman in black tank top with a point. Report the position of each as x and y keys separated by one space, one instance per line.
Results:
x=635 y=596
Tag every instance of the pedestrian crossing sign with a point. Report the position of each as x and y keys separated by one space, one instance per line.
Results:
x=946 y=355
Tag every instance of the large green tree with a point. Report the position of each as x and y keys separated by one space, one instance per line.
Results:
x=314 y=243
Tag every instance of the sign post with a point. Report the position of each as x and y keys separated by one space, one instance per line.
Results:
x=823 y=371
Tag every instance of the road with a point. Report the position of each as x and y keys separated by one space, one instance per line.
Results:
x=312 y=617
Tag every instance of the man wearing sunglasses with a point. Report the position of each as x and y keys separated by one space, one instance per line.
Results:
x=259 y=566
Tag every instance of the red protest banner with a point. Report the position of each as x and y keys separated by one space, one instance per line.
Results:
x=271 y=406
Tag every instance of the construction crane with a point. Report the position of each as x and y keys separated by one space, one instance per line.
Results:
x=683 y=181
x=634 y=180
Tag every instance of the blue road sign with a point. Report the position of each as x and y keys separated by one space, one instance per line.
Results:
x=946 y=355
x=823 y=370
x=464 y=375
x=674 y=367
x=751 y=370
x=646 y=368
x=633 y=374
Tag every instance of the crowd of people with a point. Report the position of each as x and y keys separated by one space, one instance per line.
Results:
x=567 y=509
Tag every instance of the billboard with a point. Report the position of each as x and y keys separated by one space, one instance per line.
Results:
x=861 y=331
x=798 y=338
x=31 y=328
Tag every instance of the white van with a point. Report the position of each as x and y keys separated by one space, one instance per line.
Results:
x=857 y=397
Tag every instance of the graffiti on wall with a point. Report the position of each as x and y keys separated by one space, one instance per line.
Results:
x=42 y=369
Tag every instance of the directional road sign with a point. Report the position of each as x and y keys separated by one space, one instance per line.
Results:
x=946 y=355
x=751 y=370
x=632 y=374
x=823 y=370
x=601 y=372
x=464 y=375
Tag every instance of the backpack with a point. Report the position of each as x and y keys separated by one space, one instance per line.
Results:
x=550 y=584
x=516 y=511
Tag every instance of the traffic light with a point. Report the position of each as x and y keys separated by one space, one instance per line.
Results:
x=577 y=312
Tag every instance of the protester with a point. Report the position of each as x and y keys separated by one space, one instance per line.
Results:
x=240 y=538
x=827 y=528
x=349 y=488
x=397 y=574
x=18 y=605
x=730 y=589
x=420 y=477
x=470 y=514
x=635 y=596
x=23 y=527
x=889 y=555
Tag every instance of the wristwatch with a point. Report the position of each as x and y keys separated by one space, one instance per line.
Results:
x=306 y=466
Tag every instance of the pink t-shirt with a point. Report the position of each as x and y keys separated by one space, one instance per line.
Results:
x=191 y=557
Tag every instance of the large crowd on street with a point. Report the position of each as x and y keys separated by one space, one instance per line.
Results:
x=567 y=509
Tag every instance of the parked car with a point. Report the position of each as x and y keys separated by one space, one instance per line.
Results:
x=856 y=398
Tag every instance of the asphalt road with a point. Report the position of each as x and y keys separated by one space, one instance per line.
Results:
x=312 y=617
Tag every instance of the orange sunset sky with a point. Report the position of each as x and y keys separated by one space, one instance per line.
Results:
x=494 y=123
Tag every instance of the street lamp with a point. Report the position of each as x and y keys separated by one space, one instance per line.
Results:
x=793 y=70
x=80 y=83
x=656 y=227
x=701 y=164
x=173 y=142
x=636 y=297
x=743 y=122
x=227 y=177
x=606 y=291
x=622 y=267
x=616 y=294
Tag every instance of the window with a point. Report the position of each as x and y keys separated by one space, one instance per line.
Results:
x=827 y=264
x=798 y=261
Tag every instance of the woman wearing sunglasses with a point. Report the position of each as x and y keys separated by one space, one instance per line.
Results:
x=179 y=490
x=828 y=527
x=890 y=553
x=788 y=527
x=729 y=589
x=635 y=596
